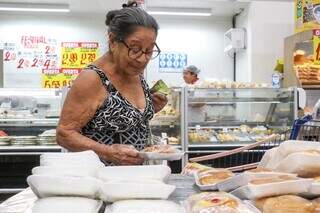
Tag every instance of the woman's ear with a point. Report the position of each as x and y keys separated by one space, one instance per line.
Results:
x=111 y=39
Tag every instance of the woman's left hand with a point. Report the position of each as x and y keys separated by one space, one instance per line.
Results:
x=159 y=101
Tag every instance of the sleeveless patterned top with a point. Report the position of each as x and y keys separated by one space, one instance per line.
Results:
x=117 y=121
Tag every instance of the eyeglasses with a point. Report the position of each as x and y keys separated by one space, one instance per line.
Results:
x=135 y=53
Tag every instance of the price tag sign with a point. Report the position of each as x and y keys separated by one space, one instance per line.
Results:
x=78 y=54
x=316 y=46
x=55 y=78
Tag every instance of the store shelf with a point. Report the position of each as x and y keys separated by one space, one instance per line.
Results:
x=224 y=100
x=228 y=124
x=311 y=86
x=163 y=123
x=28 y=150
x=16 y=122
x=176 y=146
x=11 y=191
x=230 y=144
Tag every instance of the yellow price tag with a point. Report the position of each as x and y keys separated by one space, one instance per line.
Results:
x=78 y=54
x=316 y=47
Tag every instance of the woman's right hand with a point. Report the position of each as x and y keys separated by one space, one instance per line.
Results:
x=121 y=154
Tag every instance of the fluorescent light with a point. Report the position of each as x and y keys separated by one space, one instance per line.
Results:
x=174 y=11
x=32 y=7
x=178 y=13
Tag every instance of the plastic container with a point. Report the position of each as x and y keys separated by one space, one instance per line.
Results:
x=144 y=206
x=254 y=191
x=162 y=156
x=128 y=190
x=50 y=186
x=126 y=173
x=245 y=178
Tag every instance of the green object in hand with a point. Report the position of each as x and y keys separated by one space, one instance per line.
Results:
x=160 y=87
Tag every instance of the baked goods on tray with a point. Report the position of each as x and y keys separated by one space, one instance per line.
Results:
x=213 y=176
x=213 y=202
x=192 y=168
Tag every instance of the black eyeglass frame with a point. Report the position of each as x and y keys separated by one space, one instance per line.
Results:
x=158 y=51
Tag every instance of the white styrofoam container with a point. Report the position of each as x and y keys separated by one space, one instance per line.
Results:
x=315 y=188
x=128 y=190
x=87 y=158
x=144 y=206
x=154 y=172
x=49 y=186
x=66 y=204
x=162 y=156
x=305 y=165
x=87 y=155
x=74 y=171
x=211 y=187
x=244 y=179
x=314 y=191
x=252 y=191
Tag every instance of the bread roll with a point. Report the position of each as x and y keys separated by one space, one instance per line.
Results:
x=285 y=204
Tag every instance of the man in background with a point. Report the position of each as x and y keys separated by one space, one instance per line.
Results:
x=190 y=75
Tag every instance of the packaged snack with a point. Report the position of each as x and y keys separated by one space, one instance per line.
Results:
x=192 y=168
x=272 y=187
x=160 y=87
x=214 y=202
x=208 y=179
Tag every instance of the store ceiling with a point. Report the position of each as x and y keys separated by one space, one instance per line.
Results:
x=220 y=8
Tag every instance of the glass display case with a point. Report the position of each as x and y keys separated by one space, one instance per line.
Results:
x=29 y=117
x=167 y=125
x=29 y=107
x=222 y=119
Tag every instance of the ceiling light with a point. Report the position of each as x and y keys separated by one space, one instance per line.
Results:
x=179 y=11
x=32 y=7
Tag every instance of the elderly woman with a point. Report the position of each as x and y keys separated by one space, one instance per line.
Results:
x=109 y=106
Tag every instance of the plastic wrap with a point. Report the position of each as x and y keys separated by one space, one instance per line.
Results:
x=217 y=202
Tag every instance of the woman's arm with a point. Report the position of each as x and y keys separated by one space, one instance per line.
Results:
x=83 y=99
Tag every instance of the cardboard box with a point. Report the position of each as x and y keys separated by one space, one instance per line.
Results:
x=307 y=15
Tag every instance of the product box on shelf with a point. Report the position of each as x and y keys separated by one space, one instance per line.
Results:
x=307 y=15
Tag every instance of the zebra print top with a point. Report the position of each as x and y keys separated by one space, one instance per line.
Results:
x=117 y=121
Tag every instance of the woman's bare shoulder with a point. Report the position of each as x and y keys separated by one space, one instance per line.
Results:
x=87 y=83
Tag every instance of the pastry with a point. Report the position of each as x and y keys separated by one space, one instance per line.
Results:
x=213 y=202
x=285 y=204
x=213 y=176
x=224 y=137
x=192 y=168
x=173 y=140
